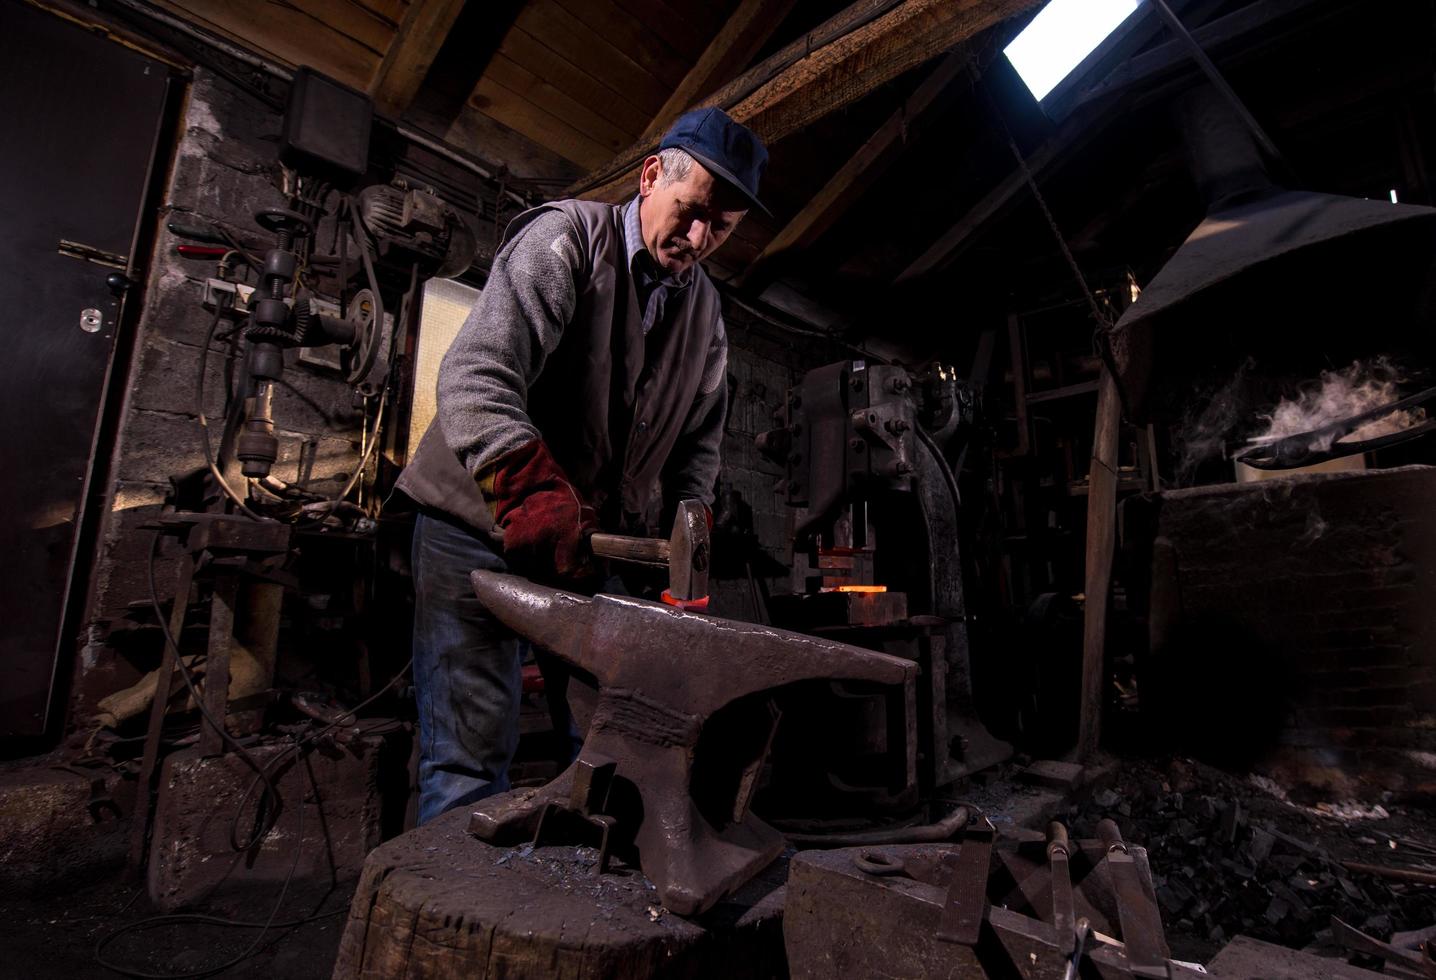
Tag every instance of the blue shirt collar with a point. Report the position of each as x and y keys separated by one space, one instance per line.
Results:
x=640 y=262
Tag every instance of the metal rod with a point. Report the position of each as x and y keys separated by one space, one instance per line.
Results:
x=933 y=833
x=433 y=145
x=1414 y=875
x=1215 y=76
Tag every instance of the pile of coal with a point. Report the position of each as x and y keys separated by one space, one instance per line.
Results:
x=1229 y=858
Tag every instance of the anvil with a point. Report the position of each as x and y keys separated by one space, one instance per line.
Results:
x=679 y=735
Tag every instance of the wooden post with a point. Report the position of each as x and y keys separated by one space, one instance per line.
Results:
x=164 y=685
x=1018 y=350
x=1101 y=547
x=216 y=665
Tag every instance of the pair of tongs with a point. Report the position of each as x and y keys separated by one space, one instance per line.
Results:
x=1324 y=443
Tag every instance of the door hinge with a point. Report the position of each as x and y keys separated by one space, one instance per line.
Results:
x=88 y=253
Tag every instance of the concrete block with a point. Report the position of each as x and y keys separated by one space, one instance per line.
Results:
x=329 y=819
x=172 y=297
x=164 y=380
x=320 y=404
x=321 y=464
x=157 y=445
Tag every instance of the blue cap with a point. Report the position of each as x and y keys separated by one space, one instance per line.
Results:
x=730 y=150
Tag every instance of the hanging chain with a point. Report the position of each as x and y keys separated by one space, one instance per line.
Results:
x=1102 y=335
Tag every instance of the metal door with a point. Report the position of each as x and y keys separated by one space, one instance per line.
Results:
x=78 y=126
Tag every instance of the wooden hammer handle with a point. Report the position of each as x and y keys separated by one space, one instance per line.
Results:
x=641 y=551
x=648 y=551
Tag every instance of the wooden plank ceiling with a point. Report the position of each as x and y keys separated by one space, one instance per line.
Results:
x=346 y=39
x=584 y=78
x=549 y=90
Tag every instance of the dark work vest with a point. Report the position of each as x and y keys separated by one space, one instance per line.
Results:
x=609 y=402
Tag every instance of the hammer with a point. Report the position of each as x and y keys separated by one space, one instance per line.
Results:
x=685 y=554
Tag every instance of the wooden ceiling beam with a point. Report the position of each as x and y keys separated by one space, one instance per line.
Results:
x=416 y=43
x=856 y=175
x=866 y=45
x=735 y=44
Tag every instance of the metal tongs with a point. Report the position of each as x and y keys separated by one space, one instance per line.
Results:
x=1302 y=449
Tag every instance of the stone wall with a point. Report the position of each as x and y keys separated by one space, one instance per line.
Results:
x=224 y=169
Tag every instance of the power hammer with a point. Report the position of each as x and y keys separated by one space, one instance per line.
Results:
x=685 y=553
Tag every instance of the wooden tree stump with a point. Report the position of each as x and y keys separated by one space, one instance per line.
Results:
x=437 y=902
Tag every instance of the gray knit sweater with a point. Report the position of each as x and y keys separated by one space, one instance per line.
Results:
x=519 y=320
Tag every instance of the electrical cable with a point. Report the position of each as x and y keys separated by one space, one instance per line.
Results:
x=261 y=775
x=248 y=951
x=219 y=308
x=338 y=723
x=250 y=259
x=217 y=725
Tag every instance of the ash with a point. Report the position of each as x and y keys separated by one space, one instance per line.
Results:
x=574 y=870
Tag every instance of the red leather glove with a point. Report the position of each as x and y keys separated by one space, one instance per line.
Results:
x=543 y=516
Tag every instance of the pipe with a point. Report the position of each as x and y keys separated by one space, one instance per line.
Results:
x=1216 y=78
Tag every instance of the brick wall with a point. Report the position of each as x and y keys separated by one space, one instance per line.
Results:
x=1301 y=614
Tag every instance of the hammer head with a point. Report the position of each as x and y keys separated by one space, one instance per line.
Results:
x=689 y=554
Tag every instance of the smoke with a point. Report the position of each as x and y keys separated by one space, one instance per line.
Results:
x=1224 y=415
x=1204 y=431
x=1339 y=395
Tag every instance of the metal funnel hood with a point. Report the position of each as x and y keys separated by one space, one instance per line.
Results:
x=1243 y=237
x=1260 y=253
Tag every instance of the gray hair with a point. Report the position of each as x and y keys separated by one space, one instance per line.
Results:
x=676 y=164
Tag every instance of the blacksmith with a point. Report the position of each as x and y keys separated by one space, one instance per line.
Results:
x=590 y=373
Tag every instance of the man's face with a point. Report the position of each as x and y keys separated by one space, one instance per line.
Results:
x=685 y=220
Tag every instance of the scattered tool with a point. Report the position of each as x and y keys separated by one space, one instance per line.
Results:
x=1142 y=933
x=966 y=903
x=879 y=911
x=1420 y=962
x=686 y=554
x=1063 y=915
x=679 y=792
x=1074 y=963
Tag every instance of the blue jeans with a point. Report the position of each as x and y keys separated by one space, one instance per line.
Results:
x=466 y=674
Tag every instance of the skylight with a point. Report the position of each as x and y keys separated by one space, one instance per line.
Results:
x=1060 y=36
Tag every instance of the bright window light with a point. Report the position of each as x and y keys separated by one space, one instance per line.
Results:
x=1065 y=32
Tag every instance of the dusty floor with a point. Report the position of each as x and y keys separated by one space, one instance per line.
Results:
x=54 y=936
x=1229 y=856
